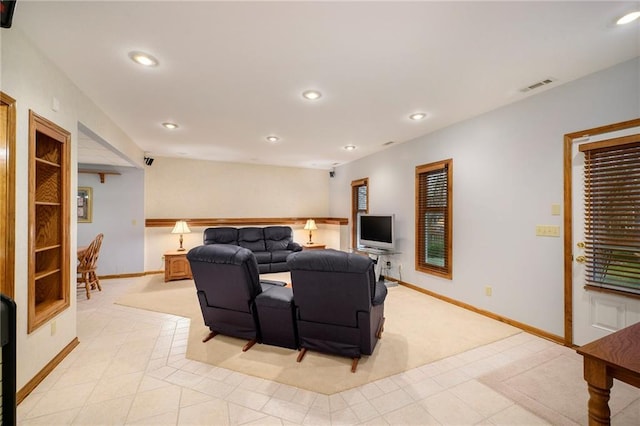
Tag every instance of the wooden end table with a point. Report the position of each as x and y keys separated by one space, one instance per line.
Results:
x=314 y=246
x=616 y=356
x=176 y=266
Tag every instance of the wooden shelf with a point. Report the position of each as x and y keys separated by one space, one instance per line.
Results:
x=101 y=173
x=45 y=162
x=48 y=309
x=45 y=248
x=45 y=274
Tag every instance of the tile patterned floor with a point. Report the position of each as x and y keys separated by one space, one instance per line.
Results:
x=130 y=368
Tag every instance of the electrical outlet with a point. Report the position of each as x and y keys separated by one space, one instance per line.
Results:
x=488 y=290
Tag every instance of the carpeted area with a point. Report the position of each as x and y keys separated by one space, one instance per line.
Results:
x=550 y=384
x=418 y=330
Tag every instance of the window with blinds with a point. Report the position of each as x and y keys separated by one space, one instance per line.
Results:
x=434 y=218
x=612 y=213
x=361 y=198
x=359 y=204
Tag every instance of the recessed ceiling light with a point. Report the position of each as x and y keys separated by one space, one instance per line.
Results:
x=273 y=139
x=143 y=59
x=312 y=95
x=629 y=17
x=349 y=147
x=418 y=116
x=170 y=126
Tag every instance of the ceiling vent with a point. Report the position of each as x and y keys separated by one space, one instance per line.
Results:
x=537 y=85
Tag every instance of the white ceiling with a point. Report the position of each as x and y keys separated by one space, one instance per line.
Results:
x=232 y=73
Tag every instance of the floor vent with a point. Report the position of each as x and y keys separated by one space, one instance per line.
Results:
x=537 y=85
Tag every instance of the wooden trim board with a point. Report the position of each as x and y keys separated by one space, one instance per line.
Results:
x=241 y=221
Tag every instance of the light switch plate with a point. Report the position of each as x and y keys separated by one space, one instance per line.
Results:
x=547 y=231
x=555 y=209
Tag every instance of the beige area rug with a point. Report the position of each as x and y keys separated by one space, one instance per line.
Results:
x=550 y=384
x=418 y=330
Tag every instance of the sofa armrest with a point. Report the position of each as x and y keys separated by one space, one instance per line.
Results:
x=293 y=246
x=381 y=294
x=273 y=283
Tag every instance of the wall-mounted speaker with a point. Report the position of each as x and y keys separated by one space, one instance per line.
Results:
x=332 y=173
x=148 y=161
x=6 y=12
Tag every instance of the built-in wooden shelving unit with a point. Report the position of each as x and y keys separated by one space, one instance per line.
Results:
x=48 y=292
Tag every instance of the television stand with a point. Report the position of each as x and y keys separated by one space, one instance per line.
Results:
x=377 y=254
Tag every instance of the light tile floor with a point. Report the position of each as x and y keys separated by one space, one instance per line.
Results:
x=130 y=368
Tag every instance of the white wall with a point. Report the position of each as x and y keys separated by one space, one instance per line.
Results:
x=507 y=172
x=191 y=189
x=118 y=213
x=30 y=78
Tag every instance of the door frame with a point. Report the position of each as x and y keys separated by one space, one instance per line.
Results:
x=8 y=195
x=569 y=139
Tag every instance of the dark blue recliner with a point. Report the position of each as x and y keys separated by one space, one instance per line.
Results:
x=230 y=293
x=339 y=304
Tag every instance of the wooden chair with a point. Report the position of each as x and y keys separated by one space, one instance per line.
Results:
x=87 y=266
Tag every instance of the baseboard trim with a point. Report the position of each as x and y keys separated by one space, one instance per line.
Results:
x=131 y=275
x=42 y=374
x=116 y=276
x=529 y=329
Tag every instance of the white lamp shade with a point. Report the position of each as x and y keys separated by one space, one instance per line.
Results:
x=310 y=225
x=181 y=228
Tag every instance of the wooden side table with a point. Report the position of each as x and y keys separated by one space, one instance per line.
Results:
x=176 y=266
x=314 y=246
x=616 y=356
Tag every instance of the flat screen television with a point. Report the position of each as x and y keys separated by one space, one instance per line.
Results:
x=376 y=231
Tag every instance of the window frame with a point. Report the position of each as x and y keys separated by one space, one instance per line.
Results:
x=354 y=208
x=420 y=264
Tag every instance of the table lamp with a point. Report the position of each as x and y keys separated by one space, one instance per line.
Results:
x=310 y=226
x=181 y=228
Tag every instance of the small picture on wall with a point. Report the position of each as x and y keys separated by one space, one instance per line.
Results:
x=85 y=200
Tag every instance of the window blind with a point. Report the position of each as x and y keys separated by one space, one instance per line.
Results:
x=361 y=201
x=612 y=213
